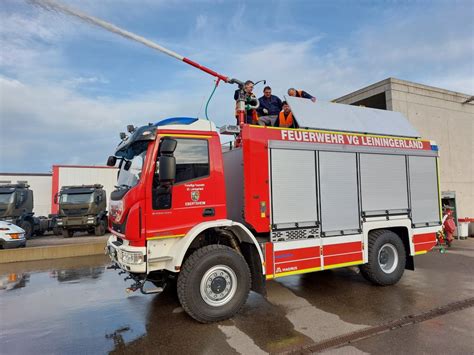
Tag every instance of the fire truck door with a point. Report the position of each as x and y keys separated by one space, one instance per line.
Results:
x=192 y=199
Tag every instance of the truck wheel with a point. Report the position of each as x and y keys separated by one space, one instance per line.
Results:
x=214 y=283
x=101 y=228
x=386 y=258
x=28 y=227
x=67 y=233
x=57 y=231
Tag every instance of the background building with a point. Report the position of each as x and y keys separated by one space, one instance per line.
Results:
x=45 y=186
x=444 y=116
x=40 y=184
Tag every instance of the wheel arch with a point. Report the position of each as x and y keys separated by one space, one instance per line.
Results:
x=247 y=244
x=403 y=232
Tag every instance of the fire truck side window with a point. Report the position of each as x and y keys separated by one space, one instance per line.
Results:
x=192 y=159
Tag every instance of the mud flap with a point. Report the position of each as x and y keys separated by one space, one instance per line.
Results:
x=410 y=263
x=252 y=258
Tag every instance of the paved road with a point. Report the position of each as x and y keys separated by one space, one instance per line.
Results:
x=78 y=306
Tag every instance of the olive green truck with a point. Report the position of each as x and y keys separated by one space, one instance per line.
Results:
x=16 y=206
x=82 y=208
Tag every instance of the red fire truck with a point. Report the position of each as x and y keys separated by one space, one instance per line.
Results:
x=350 y=186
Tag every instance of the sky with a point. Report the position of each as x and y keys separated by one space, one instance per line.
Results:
x=68 y=88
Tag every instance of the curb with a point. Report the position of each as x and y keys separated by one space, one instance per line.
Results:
x=51 y=252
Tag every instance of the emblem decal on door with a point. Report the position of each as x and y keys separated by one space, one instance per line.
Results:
x=194 y=195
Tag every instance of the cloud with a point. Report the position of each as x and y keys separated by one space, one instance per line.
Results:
x=53 y=111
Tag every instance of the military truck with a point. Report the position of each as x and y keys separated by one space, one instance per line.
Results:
x=82 y=208
x=16 y=206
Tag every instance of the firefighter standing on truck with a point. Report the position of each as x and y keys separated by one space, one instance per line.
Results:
x=285 y=117
x=301 y=93
x=251 y=116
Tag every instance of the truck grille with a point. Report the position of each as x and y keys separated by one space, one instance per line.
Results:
x=76 y=212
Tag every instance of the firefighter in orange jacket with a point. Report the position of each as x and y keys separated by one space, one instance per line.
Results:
x=301 y=93
x=285 y=117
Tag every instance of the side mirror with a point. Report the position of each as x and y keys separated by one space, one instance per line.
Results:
x=167 y=172
x=168 y=146
x=20 y=199
x=127 y=165
x=111 y=161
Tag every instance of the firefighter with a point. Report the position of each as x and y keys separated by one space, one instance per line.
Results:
x=270 y=107
x=301 y=93
x=449 y=226
x=285 y=117
x=251 y=116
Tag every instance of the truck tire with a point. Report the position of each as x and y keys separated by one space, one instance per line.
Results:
x=387 y=258
x=28 y=227
x=214 y=283
x=101 y=228
x=67 y=233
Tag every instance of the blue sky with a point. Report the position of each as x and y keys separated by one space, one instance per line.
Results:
x=67 y=89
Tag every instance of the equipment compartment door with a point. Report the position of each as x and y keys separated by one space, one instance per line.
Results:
x=293 y=188
x=339 y=193
x=383 y=184
x=424 y=190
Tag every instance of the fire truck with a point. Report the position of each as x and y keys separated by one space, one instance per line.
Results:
x=281 y=202
x=349 y=186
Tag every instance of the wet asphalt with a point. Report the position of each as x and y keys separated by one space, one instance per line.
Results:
x=77 y=306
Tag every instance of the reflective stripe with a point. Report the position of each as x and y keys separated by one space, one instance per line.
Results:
x=184 y=135
x=351 y=263
x=166 y=237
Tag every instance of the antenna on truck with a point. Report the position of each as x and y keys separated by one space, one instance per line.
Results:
x=56 y=6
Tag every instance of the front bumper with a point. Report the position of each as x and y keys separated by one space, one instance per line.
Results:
x=12 y=243
x=83 y=222
x=119 y=251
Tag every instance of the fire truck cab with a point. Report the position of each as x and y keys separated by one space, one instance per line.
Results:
x=350 y=186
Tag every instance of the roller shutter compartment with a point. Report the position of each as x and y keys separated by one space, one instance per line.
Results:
x=424 y=190
x=293 y=184
x=339 y=193
x=383 y=184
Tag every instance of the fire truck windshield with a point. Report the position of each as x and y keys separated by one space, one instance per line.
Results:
x=131 y=177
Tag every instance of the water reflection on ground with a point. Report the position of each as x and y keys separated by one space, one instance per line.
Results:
x=74 y=310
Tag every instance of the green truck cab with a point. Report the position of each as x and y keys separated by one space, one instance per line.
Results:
x=16 y=206
x=82 y=208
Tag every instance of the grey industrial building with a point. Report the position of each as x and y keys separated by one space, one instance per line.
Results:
x=447 y=117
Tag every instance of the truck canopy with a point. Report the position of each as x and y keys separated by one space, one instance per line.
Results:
x=340 y=117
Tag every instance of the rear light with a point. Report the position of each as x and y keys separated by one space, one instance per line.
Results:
x=116 y=210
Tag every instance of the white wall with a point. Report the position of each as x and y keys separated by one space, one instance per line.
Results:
x=438 y=115
x=441 y=116
x=40 y=184
x=88 y=176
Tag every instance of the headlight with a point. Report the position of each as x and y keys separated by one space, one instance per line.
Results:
x=116 y=210
x=90 y=220
x=14 y=235
x=131 y=257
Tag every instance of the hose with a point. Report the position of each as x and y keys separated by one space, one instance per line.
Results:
x=210 y=97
